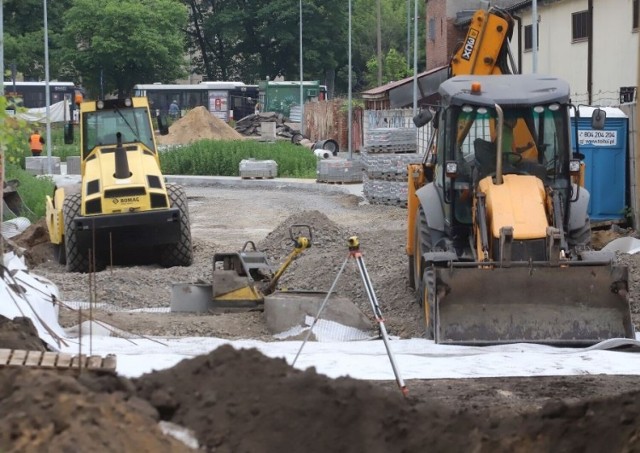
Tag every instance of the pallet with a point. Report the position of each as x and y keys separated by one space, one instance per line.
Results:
x=338 y=182
x=390 y=149
x=257 y=177
x=56 y=360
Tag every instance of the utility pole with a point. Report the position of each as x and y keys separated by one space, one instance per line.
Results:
x=350 y=113
x=408 y=34
x=379 y=34
x=415 y=57
x=47 y=89
x=1 y=48
x=534 y=35
x=301 y=78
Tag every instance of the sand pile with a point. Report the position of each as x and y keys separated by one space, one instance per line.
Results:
x=198 y=124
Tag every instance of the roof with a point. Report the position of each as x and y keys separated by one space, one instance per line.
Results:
x=397 y=83
x=400 y=92
x=505 y=90
x=463 y=18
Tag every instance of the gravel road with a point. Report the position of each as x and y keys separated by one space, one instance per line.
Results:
x=222 y=219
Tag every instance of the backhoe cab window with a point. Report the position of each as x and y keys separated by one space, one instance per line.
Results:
x=100 y=128
x=534 y=141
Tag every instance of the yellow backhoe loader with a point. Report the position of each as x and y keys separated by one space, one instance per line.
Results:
x=122 y=209
x=498 y=231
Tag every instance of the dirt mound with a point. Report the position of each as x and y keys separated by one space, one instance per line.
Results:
x=240 y=400
x=19 y=333
x=243 y=401
x=35 y=243
x=50 y=411
x=198 y=124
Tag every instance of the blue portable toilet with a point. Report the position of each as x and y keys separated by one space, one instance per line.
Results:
x=605 y=158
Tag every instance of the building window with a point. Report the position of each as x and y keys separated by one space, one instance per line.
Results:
x=580 y=26
x=528 y=38
x=635 y=14
x=432 y=29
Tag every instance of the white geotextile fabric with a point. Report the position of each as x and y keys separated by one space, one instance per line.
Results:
x=33 y=296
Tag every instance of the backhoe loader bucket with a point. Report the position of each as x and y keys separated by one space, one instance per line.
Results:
x=568 y=306
x=12 y=199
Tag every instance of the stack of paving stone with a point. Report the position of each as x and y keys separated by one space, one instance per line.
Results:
x=251 y=168
x=386 y=155
x=339 y=171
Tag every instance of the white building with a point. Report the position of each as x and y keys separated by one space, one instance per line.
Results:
x=599 y=66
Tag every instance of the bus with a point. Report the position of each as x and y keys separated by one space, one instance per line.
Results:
x=33 y=94
x=225 y=100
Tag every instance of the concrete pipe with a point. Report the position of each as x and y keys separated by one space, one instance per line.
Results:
x=330 y=145
x=325 y=154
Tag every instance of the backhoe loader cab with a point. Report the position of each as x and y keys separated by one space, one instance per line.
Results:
x=122 y=207
x=499 y=245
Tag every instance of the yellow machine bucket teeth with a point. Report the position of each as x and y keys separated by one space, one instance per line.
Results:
x=571 y=306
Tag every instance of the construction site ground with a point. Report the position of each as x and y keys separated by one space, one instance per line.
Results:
x=240 y=400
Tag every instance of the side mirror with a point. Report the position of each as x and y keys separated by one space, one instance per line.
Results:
x=598 y=119
x=422 y=118
x=68 y=134
x=163 y=125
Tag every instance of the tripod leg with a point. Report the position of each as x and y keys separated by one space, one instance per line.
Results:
x=373 y=300
x=324 y=302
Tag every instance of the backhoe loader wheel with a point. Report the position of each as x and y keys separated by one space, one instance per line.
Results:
x=180 y=253
x=77 y=259
x=428 y=291
x=422 y=244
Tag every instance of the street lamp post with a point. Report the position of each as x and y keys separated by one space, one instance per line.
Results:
x=415 y=57
x=350 y=121
x=1 y=49
x=301 y=78
x=47 y=91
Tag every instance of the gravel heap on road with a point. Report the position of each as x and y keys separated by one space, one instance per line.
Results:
x=317 y=268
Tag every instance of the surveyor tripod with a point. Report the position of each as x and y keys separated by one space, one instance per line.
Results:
x=355 y=253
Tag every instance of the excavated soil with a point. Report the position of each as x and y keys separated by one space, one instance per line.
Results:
x=198 y=124
x=242 y=401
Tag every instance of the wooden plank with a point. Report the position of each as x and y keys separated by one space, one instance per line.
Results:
x=18 y=357
x=79 y=361
x=33 y=358
x=5 y=355
x=64 y=360
x=109 y=362
x=49 y=359
x=94 y=362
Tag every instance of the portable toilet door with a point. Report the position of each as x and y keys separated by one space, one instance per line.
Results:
x=605 y=158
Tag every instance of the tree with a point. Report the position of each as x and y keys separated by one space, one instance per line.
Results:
x=251 y=40
x=24 y=37
x=394 y=68
x=393 y=31
x=118 y=43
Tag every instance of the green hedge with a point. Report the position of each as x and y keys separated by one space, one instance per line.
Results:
x=222 y=158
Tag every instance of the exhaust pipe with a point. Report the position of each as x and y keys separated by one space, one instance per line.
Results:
x=122 y=164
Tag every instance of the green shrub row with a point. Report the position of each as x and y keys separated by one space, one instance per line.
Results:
x=206 y=157
x=222 y=158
